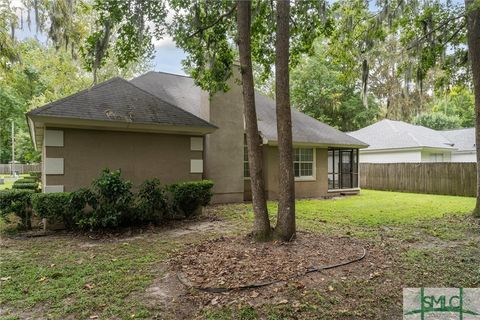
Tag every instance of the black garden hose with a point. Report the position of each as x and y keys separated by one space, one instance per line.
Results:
x=268 y=283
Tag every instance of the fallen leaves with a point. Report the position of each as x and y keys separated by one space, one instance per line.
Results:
x=234 y=262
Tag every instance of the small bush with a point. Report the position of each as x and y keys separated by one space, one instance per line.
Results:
x=80 y=198
x=150 y=203
x=188 y=197
x=110 y=199
x=35 y=174
x=56 y=207
x=25 y=185
x=26 y=180
x=19 y=203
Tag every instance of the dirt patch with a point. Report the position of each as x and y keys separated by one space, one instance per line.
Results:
x=233 y=262
x=197 y=227
x=237 y=261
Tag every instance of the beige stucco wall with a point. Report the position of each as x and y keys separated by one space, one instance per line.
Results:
x=224 y=147
x=303 y=189
x=140 y=156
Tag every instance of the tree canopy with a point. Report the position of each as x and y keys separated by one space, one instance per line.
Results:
x=33 y=73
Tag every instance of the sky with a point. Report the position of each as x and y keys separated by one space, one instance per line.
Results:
x=168 y=58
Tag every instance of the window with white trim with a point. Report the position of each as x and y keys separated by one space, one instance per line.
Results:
x=304 y=162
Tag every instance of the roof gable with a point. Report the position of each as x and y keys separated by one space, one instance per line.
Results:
x=463 y=139
x=305 y=129
x=389 y=134
x=118 y=100
x=182 y=91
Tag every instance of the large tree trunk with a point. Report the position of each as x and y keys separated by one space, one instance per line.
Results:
x=473 y=36
x=285 y=228
x=261 y=228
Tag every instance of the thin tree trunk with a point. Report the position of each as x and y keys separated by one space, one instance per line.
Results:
x=285 y=228
x=261 y=228
x=473 y=36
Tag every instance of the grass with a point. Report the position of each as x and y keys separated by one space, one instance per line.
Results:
x=431 y=238
x=370 y=213
x=8 y=184
x=67 y=277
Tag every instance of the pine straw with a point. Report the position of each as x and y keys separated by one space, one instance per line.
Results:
x=233 y=261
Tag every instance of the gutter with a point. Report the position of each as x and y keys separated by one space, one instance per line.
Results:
x=313 y=144
x=407 y=149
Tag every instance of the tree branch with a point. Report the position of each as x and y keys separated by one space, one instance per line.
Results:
x=454 y=35
x=219 y=19
x=444 y=24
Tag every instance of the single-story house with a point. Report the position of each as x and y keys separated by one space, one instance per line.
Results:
x=464 y=143
x=163 y=125
x=397 y=141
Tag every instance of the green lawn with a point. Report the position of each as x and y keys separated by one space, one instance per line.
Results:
x=431 y=239
x=371 y=211
x=8 y=184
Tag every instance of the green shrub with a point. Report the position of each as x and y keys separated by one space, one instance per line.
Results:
x=80 y=198
x=150 y=203
x=26 y=180
x=19 y=203
x=57 y=207
x=25 y=185
x=110 y=200
x=188 y=197
x=35 y=174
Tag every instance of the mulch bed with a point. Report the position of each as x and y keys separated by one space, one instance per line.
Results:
x=231 y=262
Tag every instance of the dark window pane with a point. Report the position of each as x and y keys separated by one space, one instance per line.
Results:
x=306 y=154
x=246 y=171
x=296 y=168
x=354 y=160
x=306 y=169
x=296 y=156
x=335 y=164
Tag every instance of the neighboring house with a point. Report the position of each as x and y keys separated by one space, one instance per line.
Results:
x=397 y=141
x=162 y=125
x=464 y=143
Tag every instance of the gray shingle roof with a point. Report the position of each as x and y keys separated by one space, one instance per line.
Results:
x=389 y=134
x=305 y=129
x=119 y=100
x=463 y=139
x=182 y=92
x=178 y=90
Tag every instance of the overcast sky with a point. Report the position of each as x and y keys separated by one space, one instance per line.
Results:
x=168 y=58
